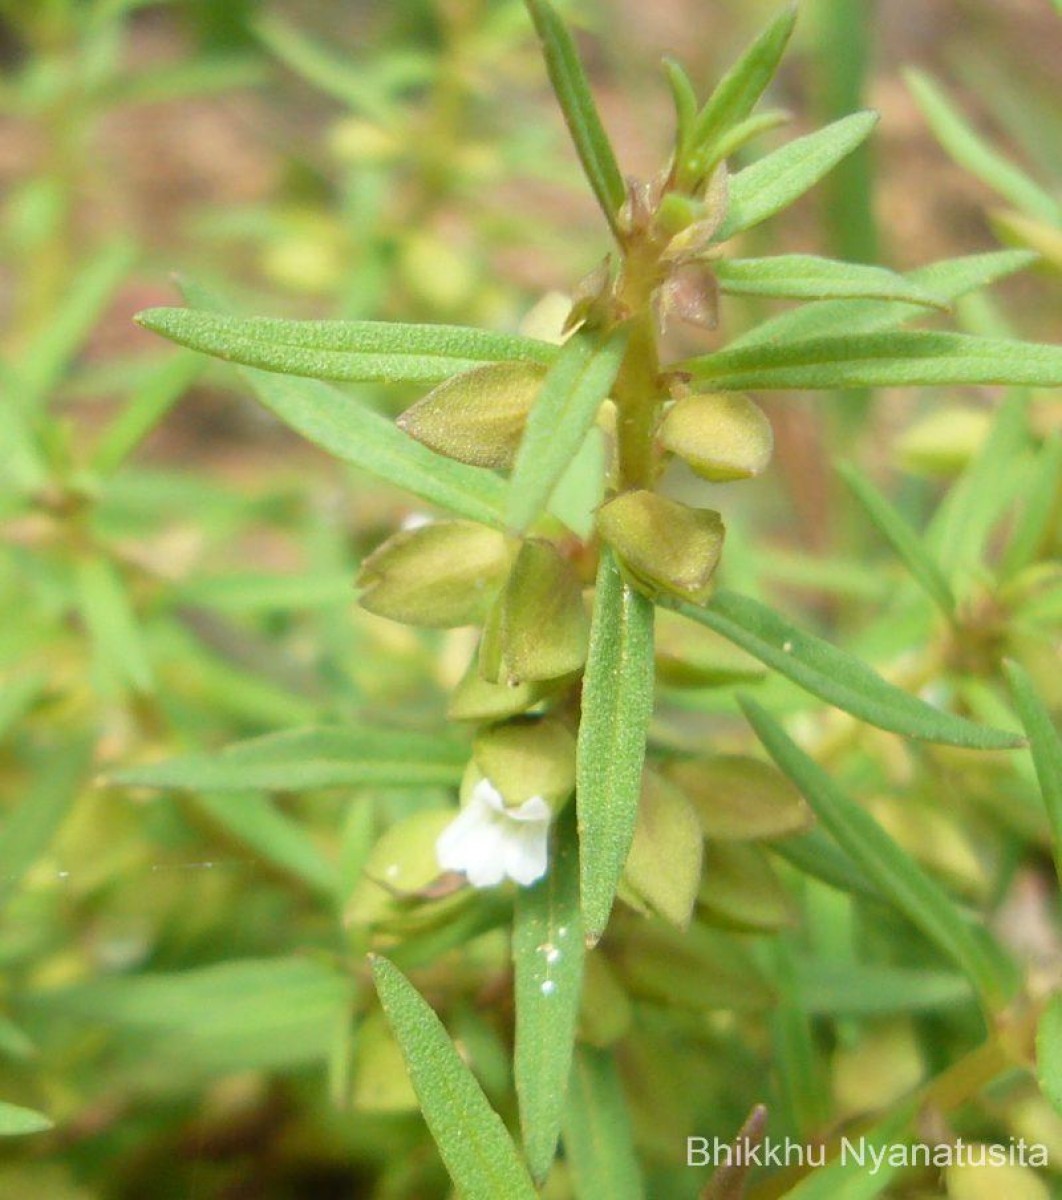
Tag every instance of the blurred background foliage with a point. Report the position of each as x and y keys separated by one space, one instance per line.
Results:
x=182 y=988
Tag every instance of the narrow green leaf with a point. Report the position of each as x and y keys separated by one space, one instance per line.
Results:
x=776 y=180
x=856 y=1177
x=737 y=92
x=146 y=408
x=973 y=153
x=617 y=703
x=948 y=279
x=1049 y=1052
x=880 y=360
x=903 y=539
x=16 y=1121
x=315 y=757
x=253 y=820
x=598 y=1139
x=806 y=276
x=901 y=880
x=548 y=955
x=1039 y=499
x=959 y=532
x=30 y=826
x=243 y=1014
x=819 y=856
x=120 y=658
x=685 y=101
x=351 y=432
x=580 y=113
x=473 y=1142
x=835 y=676
x=44 y=360
x=847 y=989
x=743 y=132
x=1045 y=745
x=347 y=351
x=333 y=74
x=560 y=418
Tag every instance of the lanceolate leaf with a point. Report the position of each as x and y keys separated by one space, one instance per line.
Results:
x=970 y=151
x=16 y=1120
x=835 y=676
x=805 y=276
x=351 y=432
x=746 y=81
x=880 y=360
x=948 y=279
x=577 y=104
x=548 y=954
x=314 y=757
x=617 y=703
x=29 y=827
x=598 y=1140
x=903 y=539
x=777 y=179
x=1049 y=1052
x=1046 y=748
x=900 y=879
x=473 y=1142
x=560 y=418
x=350 y=351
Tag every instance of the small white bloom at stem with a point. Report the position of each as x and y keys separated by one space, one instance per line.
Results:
x=489 y=842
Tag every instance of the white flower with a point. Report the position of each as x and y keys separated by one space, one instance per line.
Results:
x=489 y=842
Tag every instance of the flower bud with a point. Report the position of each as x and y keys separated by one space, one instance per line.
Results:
x=944 y=441
x=740 y=799
x=664 y=546
x=722 y=436
x=439 y=575
x=741 y=891
x=478 y=416
x=663 y=867
x=538 y=628
x=525 y=758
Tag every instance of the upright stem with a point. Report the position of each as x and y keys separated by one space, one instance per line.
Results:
x=637 y=387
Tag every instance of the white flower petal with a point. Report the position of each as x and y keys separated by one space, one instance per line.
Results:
x=535 y=809
x=489 y=842
x=525 y=854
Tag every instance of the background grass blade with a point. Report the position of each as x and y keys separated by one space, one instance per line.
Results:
x=355 y=434
x=901 y=359
x=598 y=1141
x=580 y=113
x=617 y=703
x=563 y=412
x=1046 y=748
x=971 y=151
x=903 y=539
x=16 y=1121
x=349 y=351
x=899 y=878
x=548 y=955
x=28 y=829
x=777 y=179
x=835 y=676
x=315 y=757
x=473 y=1142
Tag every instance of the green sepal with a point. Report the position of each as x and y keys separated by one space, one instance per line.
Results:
x=440 y=575
x=538 y=628
x=663 y=546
